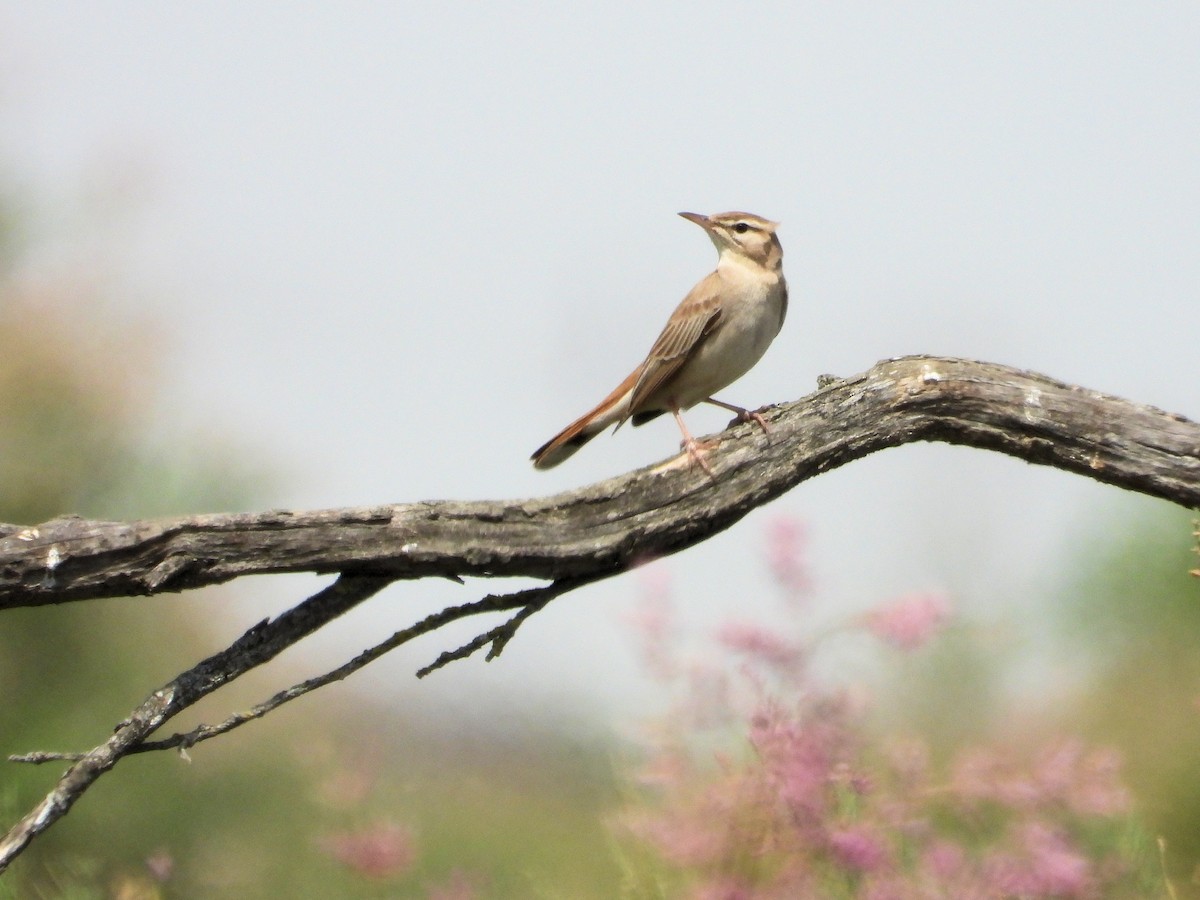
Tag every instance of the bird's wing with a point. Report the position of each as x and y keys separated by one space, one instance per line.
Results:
x=693 y=320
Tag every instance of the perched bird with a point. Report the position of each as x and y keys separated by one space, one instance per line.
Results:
x=714 y=337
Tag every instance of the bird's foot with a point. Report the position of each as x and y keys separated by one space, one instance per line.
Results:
x=743 y=415
x=696 y=450
x=747 y=415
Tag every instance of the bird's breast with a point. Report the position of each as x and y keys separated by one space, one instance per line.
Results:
x=751 y=316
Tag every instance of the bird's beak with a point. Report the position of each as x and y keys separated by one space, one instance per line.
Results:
x=703 y=221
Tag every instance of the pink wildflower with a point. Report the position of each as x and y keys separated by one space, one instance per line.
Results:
x=815 y=805
x=859 y=849
x=944 y=860
x=685 y=837
x=161 y=865
x=1044 y=864
x=653 y=621
x=760 y=644
x=1099 y=791
x=983 y=774
x=909 y=621
x=1085 y=781
x=1063 y=775
x=796 y=762
x=786 y=540
x=381 y=850
x=1058 y=868
x=800 y=757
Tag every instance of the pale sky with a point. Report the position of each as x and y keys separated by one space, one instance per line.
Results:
x=395 y=247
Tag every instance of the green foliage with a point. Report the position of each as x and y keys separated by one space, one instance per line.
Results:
x=1131 y=614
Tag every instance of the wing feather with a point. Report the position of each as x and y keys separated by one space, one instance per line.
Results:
x=692 y=321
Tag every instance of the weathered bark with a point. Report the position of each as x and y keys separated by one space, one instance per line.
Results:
x=603 y=528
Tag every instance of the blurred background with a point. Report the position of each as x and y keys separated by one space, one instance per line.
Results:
x=339 y=255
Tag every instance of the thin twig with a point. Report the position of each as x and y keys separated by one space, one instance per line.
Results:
x=499 y=636
x=431 y=623
x=530 y=600
x=258 y=645
x=186 y=740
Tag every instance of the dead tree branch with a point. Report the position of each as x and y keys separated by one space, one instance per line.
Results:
x=570 y=539
x=649 y=512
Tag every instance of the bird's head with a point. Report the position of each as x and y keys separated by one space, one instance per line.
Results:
x=743 y=234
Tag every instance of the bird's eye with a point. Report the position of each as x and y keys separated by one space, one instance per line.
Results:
x=741 y=227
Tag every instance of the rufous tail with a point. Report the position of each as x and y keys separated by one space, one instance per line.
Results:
x=613 y=408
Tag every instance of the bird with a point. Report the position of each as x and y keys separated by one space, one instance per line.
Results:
x=714 y=337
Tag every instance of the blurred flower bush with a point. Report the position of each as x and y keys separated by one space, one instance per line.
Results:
x=765 y=781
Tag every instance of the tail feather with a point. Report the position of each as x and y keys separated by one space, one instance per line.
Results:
x=613 y=408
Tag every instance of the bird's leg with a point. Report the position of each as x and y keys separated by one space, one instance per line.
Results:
x=743 y=415
x=692 y=446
